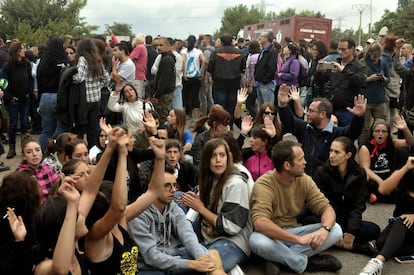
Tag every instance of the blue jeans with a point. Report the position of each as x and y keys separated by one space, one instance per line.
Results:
x=230 y=254
x=177 y=100
x=16 y=109
x=293 y=255
x=266 y=93
x=251 y=102
x=227 y=98
x=47 y=110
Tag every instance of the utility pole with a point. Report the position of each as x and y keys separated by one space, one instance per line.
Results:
x=370 y=20
x=360 y=8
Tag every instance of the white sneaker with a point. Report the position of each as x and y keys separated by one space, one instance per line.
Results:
x=236 y=271
x=373 y=267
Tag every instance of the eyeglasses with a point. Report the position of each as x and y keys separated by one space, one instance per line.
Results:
x=313 y=111
x=380 y=131
x=342 y=49
x=169 y=186
x=269 y=113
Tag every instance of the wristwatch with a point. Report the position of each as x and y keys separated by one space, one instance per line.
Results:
x=327 y=228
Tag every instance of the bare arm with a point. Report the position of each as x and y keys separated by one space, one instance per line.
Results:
x=389 y=184
x=365 y=162
x=401 y=125
x=241 y=98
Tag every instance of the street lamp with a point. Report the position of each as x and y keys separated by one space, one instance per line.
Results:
x=360 y=8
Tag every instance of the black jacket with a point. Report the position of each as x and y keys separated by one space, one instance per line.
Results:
x=344 y=86
x=165 y=78
x=226 y=64
x=265 y=68
x=71 y=99
x=346 y=195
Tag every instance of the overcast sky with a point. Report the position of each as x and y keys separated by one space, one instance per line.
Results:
x=179 y=18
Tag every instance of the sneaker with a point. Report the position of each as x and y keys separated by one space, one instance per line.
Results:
x=369 y=249
x=373 y=267
x=372 y=198
x=272 y=268
x=3 y=167
x=323 y=263
x=236 y=271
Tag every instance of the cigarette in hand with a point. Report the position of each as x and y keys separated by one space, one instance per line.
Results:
x=7 y=215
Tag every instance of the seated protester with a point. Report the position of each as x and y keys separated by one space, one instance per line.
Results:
x=55 y=227
x=55 y=151
x=256 y=158
x=397 y=239
x=124 y=99
x=223 y=204
x=379 y=154
x=177 y=121
x=77 y=149
x=215 y=123
x=20 y=198
x=266 y=110
x=184 y=172
x=76 y=169
x=141 y=137
x=166 y=239
x=99 y=147
x=32 y=160
x=344 y=184
x=108 y=246
x=277 y=200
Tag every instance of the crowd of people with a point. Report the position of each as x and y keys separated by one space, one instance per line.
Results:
x=137 y=167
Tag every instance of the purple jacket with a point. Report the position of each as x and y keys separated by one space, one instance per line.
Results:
x=290 y=71
x=258 y=164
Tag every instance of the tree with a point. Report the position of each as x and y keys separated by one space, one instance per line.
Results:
x=120 y=29
x=235 y=18
x=33 y=21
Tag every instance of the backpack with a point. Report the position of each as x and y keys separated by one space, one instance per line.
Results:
x=303 y=75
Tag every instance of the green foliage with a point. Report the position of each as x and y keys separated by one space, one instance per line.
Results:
x=235 y=18
x=120 y=29
x=33 y=21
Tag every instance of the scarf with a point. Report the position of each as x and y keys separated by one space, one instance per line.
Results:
x=377 y=146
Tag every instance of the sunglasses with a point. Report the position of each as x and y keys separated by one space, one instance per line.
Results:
x=269 y=113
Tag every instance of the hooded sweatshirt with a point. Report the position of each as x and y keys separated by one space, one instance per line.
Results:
x=160 y=235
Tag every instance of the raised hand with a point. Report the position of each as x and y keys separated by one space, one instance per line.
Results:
x=150 y=123
x=104 y=127
x=247 y=124
x=283 y=95
x=400 y=123
x=242 y=95
x=114 y=135
x=269 y=128
x=294 y=93
x=16 y=224
x=68 y=190
x=360 y=105
x=158 y=147
x=123 y=143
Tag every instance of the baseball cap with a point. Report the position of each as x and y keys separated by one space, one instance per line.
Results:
x=370 y=40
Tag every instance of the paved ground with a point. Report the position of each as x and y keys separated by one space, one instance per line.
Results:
x=352 y=263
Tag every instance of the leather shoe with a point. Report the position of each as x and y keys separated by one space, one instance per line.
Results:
x=323 y=263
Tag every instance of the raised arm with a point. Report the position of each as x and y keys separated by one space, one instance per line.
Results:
x=242 y=95
x=156 y=184
x=400 y=124
x=295 y=97
x=65 y=245
x=119 y=198
x=392 y=182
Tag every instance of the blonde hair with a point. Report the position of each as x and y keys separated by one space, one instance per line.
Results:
x=138 y=39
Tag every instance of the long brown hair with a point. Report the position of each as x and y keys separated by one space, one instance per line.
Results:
x=87 y=48
x=180 y=118
x=206 y=176
x=13 y=53
x=258 y=119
